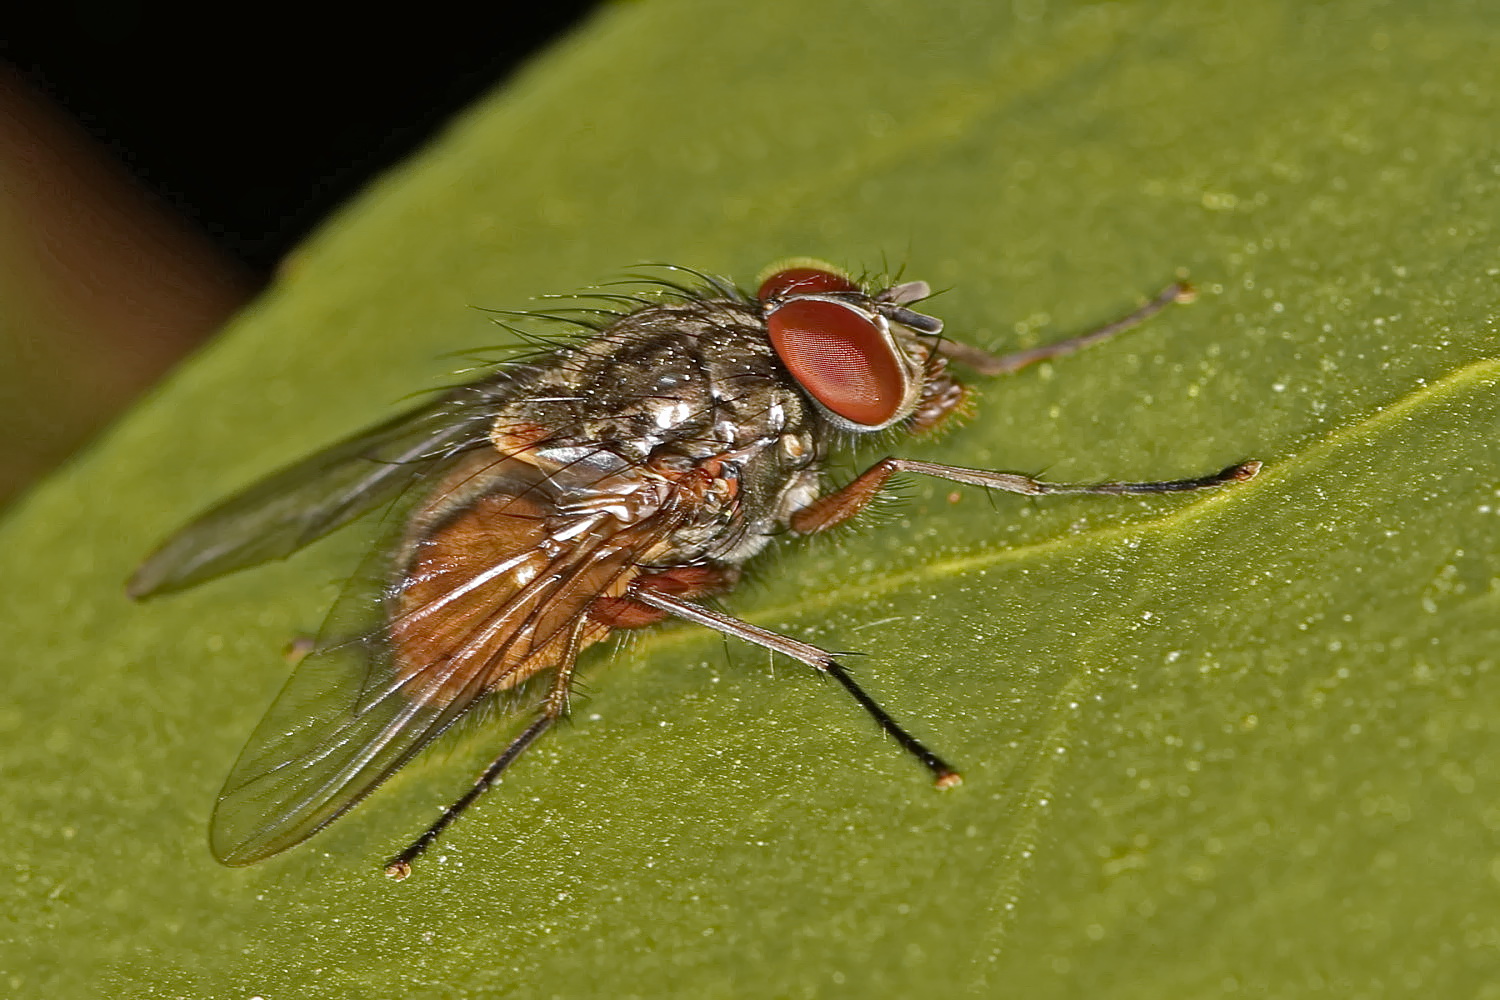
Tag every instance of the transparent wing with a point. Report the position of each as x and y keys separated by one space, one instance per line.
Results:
x=479 y=604
x=308 y=499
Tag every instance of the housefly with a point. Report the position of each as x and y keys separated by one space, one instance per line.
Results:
x=617 y=477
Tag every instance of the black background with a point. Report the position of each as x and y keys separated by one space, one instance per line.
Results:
x=255 y=121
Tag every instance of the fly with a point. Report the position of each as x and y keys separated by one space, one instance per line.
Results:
x=611 y=481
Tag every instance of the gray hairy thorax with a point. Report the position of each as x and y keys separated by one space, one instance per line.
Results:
x=664 y=391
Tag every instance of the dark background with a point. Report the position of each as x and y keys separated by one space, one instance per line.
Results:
x=255 y=121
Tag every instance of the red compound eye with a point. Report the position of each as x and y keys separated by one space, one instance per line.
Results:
x=841 y=357
x=803 y=281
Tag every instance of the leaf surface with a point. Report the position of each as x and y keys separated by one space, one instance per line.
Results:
x=1236 y=743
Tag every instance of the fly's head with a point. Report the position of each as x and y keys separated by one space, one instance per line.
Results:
x=867 y=361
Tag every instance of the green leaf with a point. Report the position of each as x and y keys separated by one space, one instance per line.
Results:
x=1236 y=743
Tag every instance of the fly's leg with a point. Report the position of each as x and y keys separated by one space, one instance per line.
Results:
x=842 y=504
x=943 y=775
x=986 y=363
x=680 y=581
x=553 y=708
x=399 y=867
x=944 y=396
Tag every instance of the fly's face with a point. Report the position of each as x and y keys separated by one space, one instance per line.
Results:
x=605 y=485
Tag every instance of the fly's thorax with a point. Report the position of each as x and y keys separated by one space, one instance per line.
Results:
x=696 y=377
